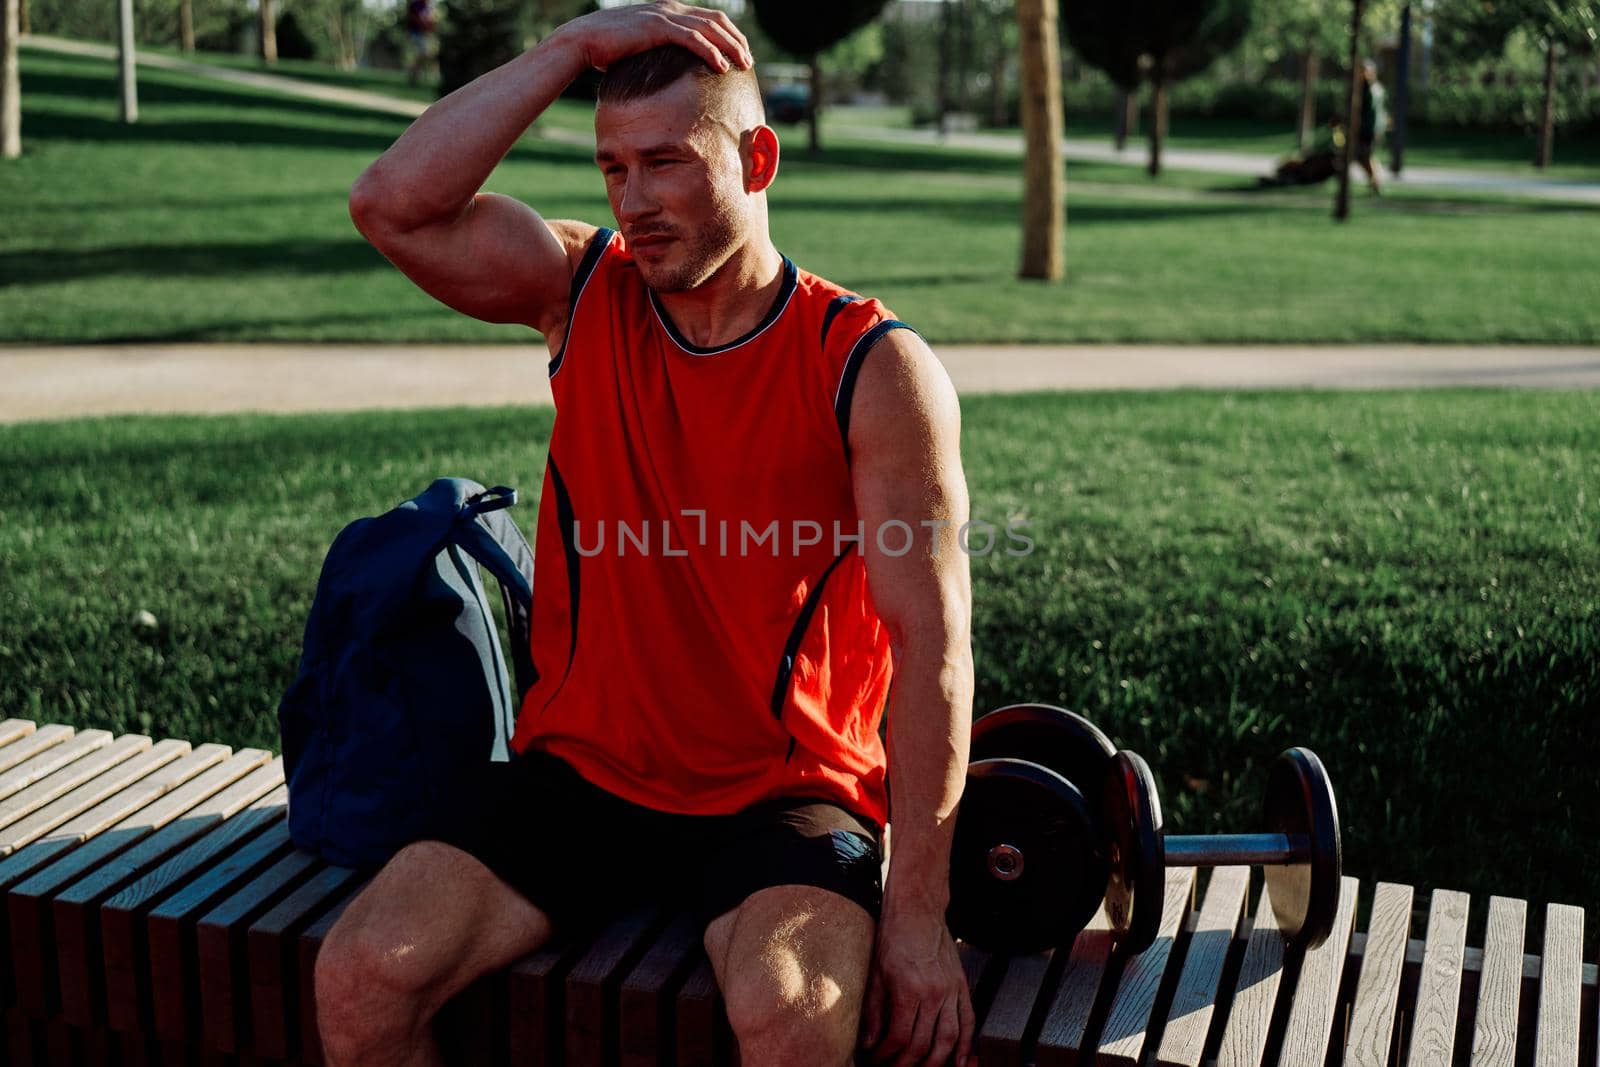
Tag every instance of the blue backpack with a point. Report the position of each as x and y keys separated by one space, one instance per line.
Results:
x=403 y=696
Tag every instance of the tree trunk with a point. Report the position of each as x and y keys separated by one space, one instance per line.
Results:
x=125 y=61
x=10 y=81
x=1309 y=65
x=946 y=53
x=1158 y=123
x=816 y=103
x=1127 y=118
x=1044 y=175
x=1352 y=124
x=997 y=90
x=186 y=25
x=269 y=33
x=1402 y=95
x=963 y=55
x=1547 y=115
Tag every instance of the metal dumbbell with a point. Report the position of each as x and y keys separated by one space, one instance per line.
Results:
x=1054 y=821
x=1300 y=852
x=1029 y=862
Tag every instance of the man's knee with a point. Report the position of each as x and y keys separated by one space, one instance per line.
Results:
x=398 y=951
x=805 y=1021
x=793 y=972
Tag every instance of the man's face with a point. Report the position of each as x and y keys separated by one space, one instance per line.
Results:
x=676 y=184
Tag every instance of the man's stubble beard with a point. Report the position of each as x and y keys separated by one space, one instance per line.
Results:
x=704 y=251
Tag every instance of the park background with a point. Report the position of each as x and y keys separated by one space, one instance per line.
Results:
x=1405 y=581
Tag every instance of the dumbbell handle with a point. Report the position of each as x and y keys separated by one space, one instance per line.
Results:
x=1236 y=850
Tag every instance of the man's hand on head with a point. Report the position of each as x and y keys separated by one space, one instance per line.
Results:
x=603 y=37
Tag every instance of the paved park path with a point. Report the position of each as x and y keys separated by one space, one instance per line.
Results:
x=61 y=382
x=1240 y=163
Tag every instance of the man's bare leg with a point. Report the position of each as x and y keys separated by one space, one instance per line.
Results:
x=432 y=921
x=792 y=964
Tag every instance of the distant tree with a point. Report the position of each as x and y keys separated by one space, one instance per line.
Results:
x=268 y=24
x=1310 y=30
x=477 y=36
x=1044 y=182
x=1159 y=41
x=1477 y=27
x=807 y=30
x=10 y=82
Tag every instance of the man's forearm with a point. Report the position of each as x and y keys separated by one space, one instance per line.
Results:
x=930 y=727
x=446 y=155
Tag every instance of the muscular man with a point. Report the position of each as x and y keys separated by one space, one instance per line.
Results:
x=747 y=528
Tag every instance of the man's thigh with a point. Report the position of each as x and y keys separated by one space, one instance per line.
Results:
x=790 y=900
x=433 y=920
x=794 y=952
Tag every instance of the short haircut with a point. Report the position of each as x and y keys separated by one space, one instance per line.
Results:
x=733 y=96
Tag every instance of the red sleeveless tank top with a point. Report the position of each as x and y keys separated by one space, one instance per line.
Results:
x=702 y=627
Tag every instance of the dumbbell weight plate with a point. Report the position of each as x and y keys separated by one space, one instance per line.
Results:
x=1136 y=887
x=1305 y=896
x=1026 y=866
x=1052 y=737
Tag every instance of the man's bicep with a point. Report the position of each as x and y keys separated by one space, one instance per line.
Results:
x=497 y=261
x=911 y=494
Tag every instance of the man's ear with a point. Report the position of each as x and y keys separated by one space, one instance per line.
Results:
x=758 y=151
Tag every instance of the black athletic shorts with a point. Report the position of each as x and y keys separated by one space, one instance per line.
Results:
x=583 y=855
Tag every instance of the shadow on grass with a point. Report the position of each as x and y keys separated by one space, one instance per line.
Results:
x=158 y=88
x=330 y=256
x=234 y=331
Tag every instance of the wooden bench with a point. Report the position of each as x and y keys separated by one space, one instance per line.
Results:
x=157 y=913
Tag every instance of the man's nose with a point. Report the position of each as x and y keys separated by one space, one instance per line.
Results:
x=636 y=201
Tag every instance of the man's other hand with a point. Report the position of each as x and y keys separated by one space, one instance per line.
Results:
x=918 y=1009
x=603 y=37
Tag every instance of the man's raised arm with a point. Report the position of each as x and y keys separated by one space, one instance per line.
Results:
x=487 y=255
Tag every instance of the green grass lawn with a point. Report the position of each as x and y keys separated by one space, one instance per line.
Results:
x=222 y=215
x=1409 y=583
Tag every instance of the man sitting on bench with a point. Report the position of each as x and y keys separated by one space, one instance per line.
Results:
x=748 y=525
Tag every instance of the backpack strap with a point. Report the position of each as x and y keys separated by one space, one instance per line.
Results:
x=488 y=535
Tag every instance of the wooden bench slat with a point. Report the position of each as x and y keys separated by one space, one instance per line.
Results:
x=645 y=1005
x=536 y=992
x=30 y=745
x=33 y=954
x=999 y=1040
x=159 y=778
x=51 y=760
x=1560 y=987
x=1316 y=994
x=1127 y=1026
x=124 y=947
x=1439 y=983
x=308 y=946
x=593 y=982
x=14 y=730
x=75 y=911
x=1244 y=1037
x=1494 y=1038
x=219 y=948
x=92 y=762
x=273 y=963
x=1194 y=1002
x=699 y=1030
x=170 y=929
x=1066 y=1021
x=1383 y=958
x=88 y=795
